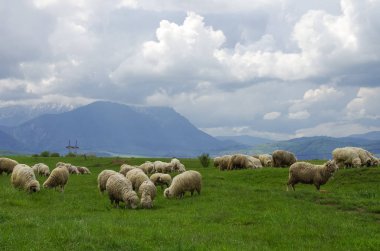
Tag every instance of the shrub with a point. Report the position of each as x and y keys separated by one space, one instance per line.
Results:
x=45 y=154
x=204 y=158
x=71 y=155
x=54 y=155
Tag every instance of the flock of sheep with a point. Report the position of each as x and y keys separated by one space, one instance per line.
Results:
x=132 y=185
x=124 y=186
x=300 y=172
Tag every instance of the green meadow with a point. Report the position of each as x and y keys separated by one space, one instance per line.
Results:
x=237 y=210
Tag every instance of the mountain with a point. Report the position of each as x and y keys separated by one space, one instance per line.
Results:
x=18 y=114
x=245 y=140
x=369 y=136
x=106 y=127
x=319 y=147
x=10 y=144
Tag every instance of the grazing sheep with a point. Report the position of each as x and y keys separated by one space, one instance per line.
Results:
x=126 y=168
x=83 y=170
x=103 y=177
x=7 y=165
x=367 y=158
x=137 y=177
x=119 y=188
x=41 y=169
x=283 y=158
x=306 y=173
x=23 y=178
x=72 y=169
x=148 y=192
x=147 y=167
x=188 y=181
x=266 y=160
x=163 y=167
x=58 y=178
x=177 y=166
x=161 y=179
x=240 y=161
x=222 y=162
x=346 y=157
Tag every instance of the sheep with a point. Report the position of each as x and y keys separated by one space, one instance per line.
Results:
x=283 y=158
x=7 y=165
x=103 y=177
x=137 y=177
x=240 y=161
x=126 y=168
x=83 y=170
x=346 y=157
x=187 y=181
x=222 y=162
x=72 y=169
x=148 y=192
x=23 y=178
x=266 y=160
x=177 y=166
x=119 y=188
x=161 y=179
x=41 y=169
x=57 y=178
x=163 y=167
x=306 y=173
x=147 y=167
x=366 y=157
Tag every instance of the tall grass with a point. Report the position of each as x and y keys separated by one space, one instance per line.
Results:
x=237 y=210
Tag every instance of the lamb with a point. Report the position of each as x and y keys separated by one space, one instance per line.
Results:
x=148 y=192
x=119 y=188
x=177 y=165
x=222 y=162
x=266 y=160
x=163 y=167
x=161 y=179
x=188 y=181
x=83 y=170
x=126 y=168
x=283 y=158
x=7 y=165
x=23 y=178
x=41 y=169
x=346 y=157
x=58 y=178
x=137 y=177
x=306 y=173
x=103 y=177
x=147 y=167
x=240 y=161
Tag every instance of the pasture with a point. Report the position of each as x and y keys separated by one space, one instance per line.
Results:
x=237 y=210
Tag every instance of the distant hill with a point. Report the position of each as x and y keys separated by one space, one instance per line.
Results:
x=319 y=147
x=245 y=140
x=370 y=135
x=105 y=127
x=10 y=144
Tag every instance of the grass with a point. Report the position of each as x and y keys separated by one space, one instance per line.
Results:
x=237 y=210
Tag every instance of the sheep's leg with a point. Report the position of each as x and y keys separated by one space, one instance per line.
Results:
x=192 y=192
x=317 y=186
x=199 y=191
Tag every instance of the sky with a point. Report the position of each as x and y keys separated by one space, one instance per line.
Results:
x=276 y=69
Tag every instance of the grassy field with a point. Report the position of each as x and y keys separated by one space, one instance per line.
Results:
x=237 y=210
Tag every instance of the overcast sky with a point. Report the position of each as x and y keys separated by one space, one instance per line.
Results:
x=269 y=68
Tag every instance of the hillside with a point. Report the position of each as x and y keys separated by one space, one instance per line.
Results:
x=245 y=140
x=106 y=127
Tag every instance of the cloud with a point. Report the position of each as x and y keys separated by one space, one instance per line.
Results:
x=365 y=105
x=299 y=115
x=271 y=115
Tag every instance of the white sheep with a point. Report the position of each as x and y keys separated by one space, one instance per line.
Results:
x=283 y=158
x=177 y=166
x=103 y=177
x=188 y=181
x=161 y=179
x=163 y=167
x=119 y=188
x=147 y=167
x=72 y=169
x=241 y=161
x=306 y=173
x=137 y=177
x=266 y=160
x=222 y=162
x=148 y=192
x=41 y=169
x=126 y=168
x=83 y=170
x=346 y=157
x=366 y=158
x=58 y=178
x=23 y=178
x=7 y=165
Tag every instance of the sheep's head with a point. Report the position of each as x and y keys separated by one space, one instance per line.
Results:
x=146 y=201
x=331 y=166
x=132 y=199
x=34 y=186
x=356 y=162
x=167 y=193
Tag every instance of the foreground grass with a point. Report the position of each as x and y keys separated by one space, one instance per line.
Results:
x=237 y=210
